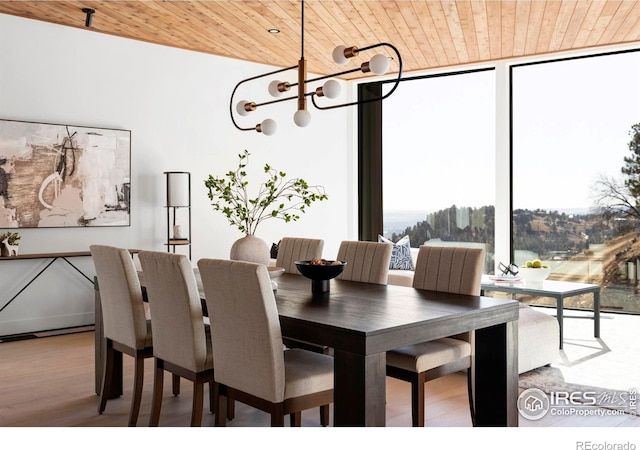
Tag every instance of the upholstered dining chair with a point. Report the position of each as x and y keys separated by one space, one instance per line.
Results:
x=127 y=328
x=444 y=269
x=367 y=262
x=292 y=249
x=182 y=345
x=251 y=364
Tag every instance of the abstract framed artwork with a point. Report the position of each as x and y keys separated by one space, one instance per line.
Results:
x=63 y=175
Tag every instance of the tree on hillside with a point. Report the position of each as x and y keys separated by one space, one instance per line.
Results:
x=631 y=168
x=614 y=197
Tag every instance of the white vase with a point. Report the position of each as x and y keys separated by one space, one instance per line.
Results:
x=250 y=248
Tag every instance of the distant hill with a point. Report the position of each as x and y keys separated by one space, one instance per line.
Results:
x=552 y=235
x=398 y=221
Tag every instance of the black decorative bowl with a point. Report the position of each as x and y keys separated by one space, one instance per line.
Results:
x=320 y=274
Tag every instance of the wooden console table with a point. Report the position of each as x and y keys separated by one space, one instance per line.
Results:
x=53 y=257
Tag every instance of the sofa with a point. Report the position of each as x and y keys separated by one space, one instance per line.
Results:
x=538 y=339
x=538 y=333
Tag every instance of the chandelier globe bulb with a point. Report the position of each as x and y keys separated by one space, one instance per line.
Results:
x=338 y=55
x=331 y=89
x=379 y=64
x=302 y=117
x=240 y=108
x=268 y=127
x=273 y=88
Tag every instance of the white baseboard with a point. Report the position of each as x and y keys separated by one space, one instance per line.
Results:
x=33 y=325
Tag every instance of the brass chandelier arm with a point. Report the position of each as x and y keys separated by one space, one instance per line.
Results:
x=332 y=75
x=270 y=102
x=246 y=80
x=378 y=65
x=395 y=85
x=313 y=94
x=357 y=69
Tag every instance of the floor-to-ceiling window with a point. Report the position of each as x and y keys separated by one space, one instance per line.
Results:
x=438 y=161
x=572 y=121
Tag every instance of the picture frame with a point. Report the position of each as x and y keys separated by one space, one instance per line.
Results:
x=54 y=175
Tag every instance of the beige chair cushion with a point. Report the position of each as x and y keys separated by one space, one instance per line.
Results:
x=428 y=355
x=294 y=249
x=300 y=380
x=248 y=341
x=367 y=262
x=123 y=310
x=179 y=335
x=398 y=277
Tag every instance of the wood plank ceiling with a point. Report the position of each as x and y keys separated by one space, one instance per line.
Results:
x=428 y=33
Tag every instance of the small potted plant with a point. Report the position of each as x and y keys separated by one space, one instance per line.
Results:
x=277 y=198
x=9 y=244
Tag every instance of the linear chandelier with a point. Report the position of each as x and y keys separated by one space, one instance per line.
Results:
x=378 y=65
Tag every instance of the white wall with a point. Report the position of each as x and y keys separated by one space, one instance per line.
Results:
x=176 y=104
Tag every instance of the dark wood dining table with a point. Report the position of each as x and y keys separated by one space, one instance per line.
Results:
x=362 y=321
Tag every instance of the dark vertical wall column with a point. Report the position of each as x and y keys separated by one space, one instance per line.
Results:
x=369 y=163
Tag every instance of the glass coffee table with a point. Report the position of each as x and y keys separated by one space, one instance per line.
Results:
x=552 y=289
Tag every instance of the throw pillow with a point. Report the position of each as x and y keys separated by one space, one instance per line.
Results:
x=401 y=253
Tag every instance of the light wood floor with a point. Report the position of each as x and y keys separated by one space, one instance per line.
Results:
x=49 y=382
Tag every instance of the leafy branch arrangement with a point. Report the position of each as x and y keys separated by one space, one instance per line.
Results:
x=12 y=238
x=277 y=197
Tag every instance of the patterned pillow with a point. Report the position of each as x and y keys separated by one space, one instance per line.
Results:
x=401 y=253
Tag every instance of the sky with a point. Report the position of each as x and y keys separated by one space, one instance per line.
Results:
x=571 y=124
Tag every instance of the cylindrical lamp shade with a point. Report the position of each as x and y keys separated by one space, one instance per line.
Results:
x=178 y=188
